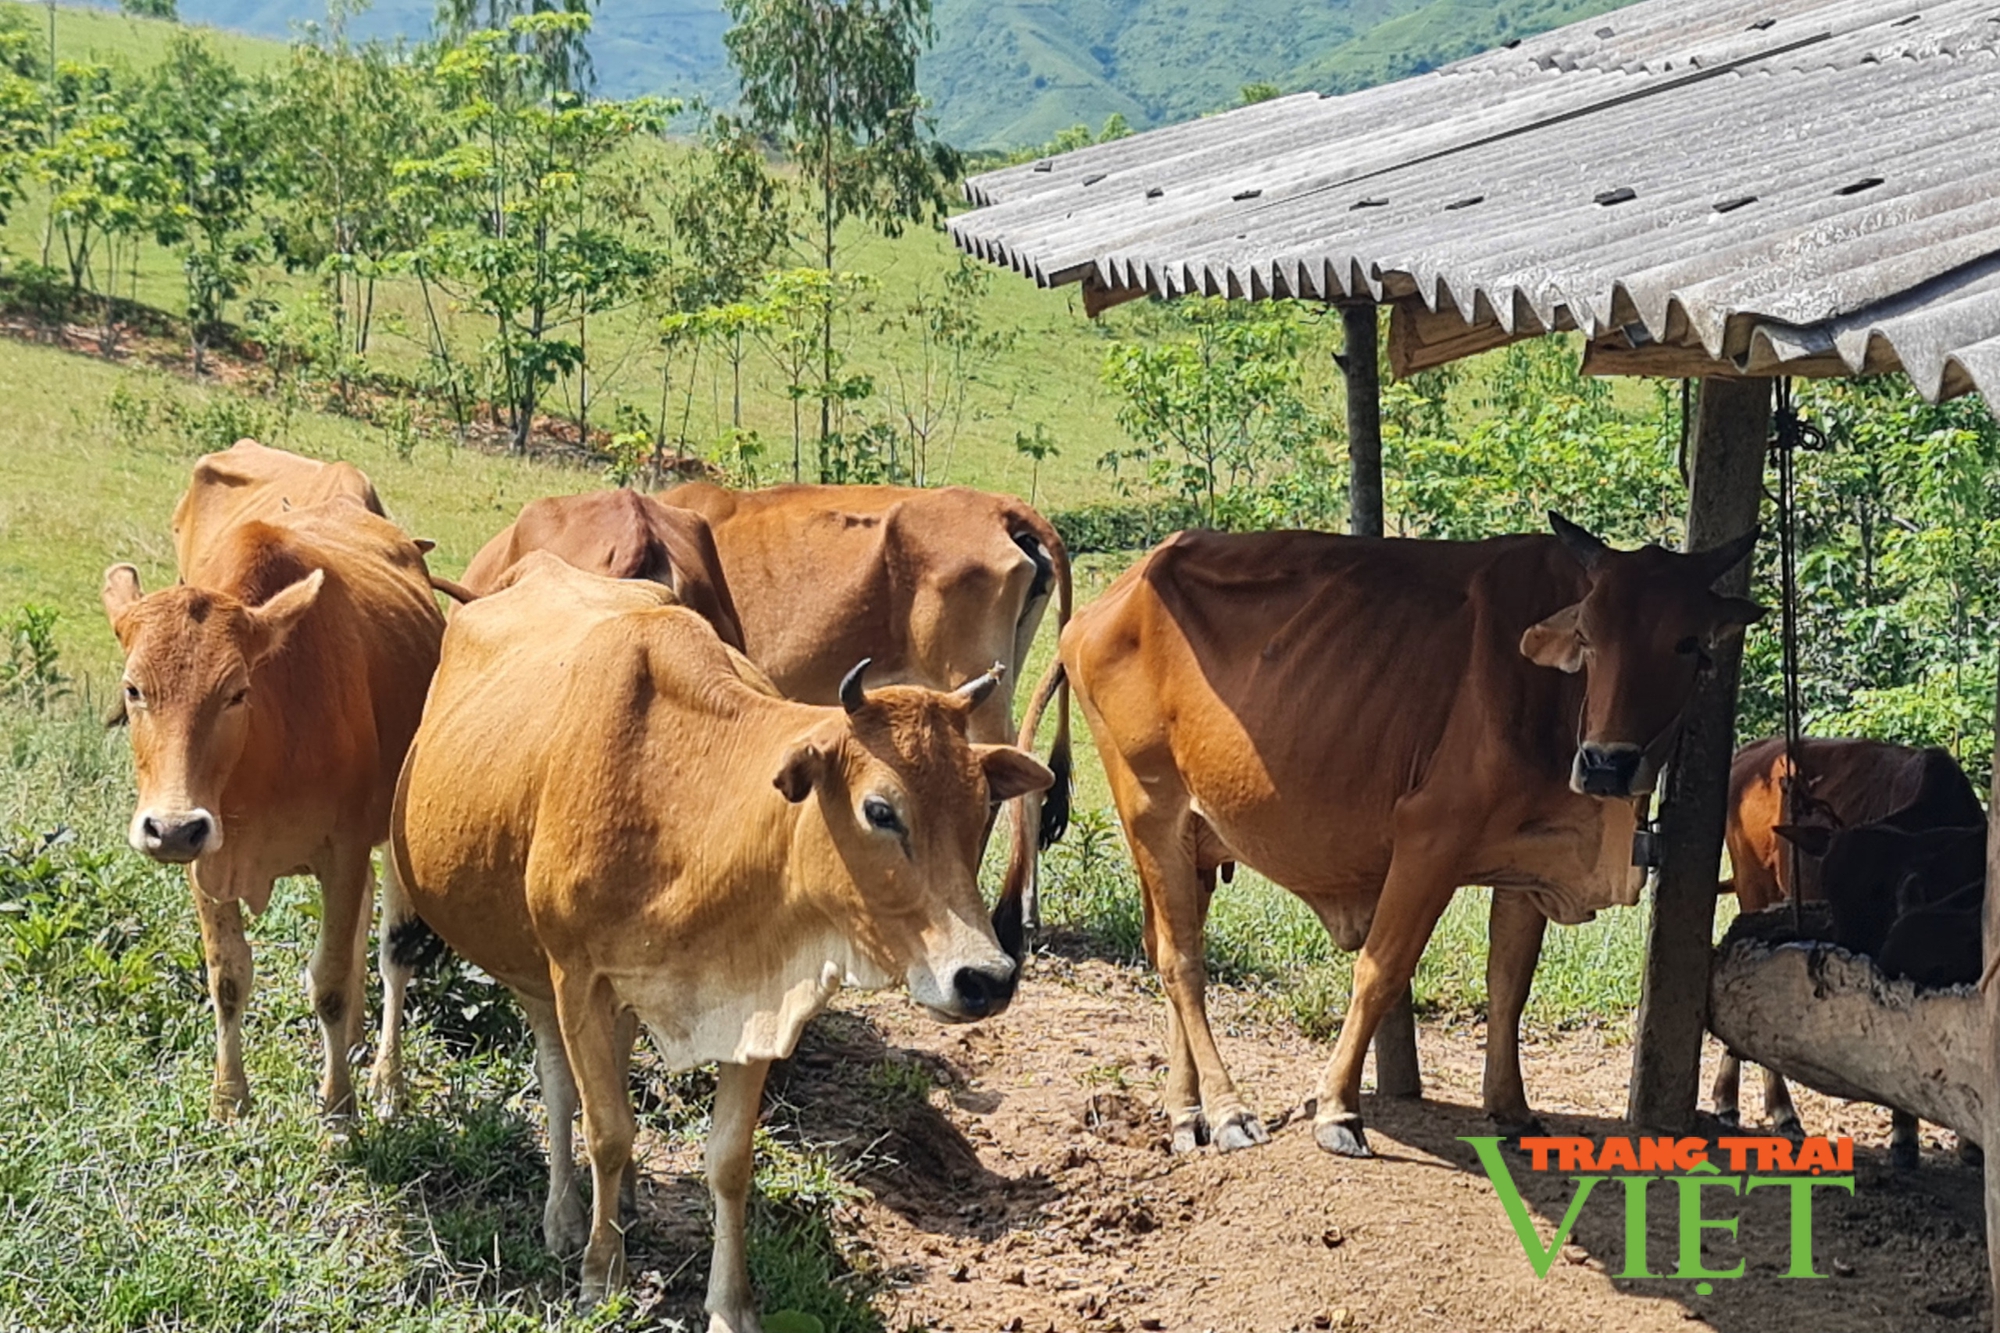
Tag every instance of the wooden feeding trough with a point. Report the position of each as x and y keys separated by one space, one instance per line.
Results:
x=1795 y=1003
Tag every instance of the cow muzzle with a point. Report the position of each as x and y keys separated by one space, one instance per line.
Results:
x=175 y=837
x=975 y=991
x=1612 y=771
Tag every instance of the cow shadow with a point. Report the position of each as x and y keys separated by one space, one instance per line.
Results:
x=1906 y=1250
x=872 y=1108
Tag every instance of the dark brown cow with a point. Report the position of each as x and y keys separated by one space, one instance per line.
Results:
x=620 y=534
x=271 y=696
x=933 y=585
x=1848 y=782
x=1371 y=724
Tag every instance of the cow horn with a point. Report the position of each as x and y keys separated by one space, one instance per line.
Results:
x=852 y=697
x=1719 y=560
x=1588 y=549
x=976 y=690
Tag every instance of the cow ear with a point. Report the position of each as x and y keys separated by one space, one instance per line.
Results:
x=1012 y=772
x=424 y=545
x=802 y=767
x=1733 y=613
x=273 y=622
x=1808 y=838
x=120 y=593
x=1555 y=642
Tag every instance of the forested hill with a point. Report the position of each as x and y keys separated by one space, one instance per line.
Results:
x=1011 y=72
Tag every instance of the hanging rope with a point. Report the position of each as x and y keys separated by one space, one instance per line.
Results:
x=1789 y=435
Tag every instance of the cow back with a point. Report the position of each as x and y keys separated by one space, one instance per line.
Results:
x=250 y=481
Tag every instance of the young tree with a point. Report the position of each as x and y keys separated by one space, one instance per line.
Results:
x=209 y=132
x=531 y=228
x=558 y=53
x=104 y=183
x=835 y=83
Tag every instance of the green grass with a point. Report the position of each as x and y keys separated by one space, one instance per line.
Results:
x=109 y=37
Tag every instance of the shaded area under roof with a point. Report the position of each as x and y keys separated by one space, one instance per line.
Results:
x=1805 y=187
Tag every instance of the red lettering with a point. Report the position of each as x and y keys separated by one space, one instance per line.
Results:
x=1538 y=1150
x=1617 y=1155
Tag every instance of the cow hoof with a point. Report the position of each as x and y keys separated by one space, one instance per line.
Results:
x=1788 y=1126
x=227 y=1104
x=1519 y=1126
x=1189 y=1133
x=1342 y=1136
x=565 y=1229
x=734 y=1321
x=1903 y=1156
x=1728 y=1119
x=1240 y=1129
x=1971 y=1153
x=385 y=1094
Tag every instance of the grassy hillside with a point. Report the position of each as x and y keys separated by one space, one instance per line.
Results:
x=1012 y=72
x=94 y=34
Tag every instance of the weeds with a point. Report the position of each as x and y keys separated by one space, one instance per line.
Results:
x=29 y=671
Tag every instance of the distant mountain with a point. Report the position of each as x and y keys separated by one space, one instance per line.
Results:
x=1012 y=72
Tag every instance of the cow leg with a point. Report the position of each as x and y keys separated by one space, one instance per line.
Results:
x=739 y=1092
x=1404 y=918
x=628 y=1185
x=334 y=975
x=1199 y=1090
x=1903 y=1154
x=1727 y=1094
x=587 y=1010
x=227 y=954
x=564 y=1226
x=1514 y=947
x=393 y=955
x=1779 y=1112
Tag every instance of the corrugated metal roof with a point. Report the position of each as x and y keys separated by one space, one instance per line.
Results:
x=1808 y=186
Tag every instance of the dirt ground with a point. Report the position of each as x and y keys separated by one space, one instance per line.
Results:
x=1031 y=1189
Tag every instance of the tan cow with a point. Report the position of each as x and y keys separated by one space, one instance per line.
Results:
x=620 y=534
x=251 y=481
x=618 y=817
x=271 y=695
x=1372 y=724
x=931 y=584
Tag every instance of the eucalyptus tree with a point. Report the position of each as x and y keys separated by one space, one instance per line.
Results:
x=834 y=83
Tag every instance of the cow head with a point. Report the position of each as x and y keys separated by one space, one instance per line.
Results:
x=1642 y=635
x=189 y=655
x=901 y=796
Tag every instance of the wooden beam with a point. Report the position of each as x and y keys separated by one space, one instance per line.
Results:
x=1396 y=1072
x=1726 y=475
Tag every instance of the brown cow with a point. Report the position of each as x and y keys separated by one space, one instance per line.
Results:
x=251 y=481
x=931 y=584
x=620 y=534
x=271 y=695
x=1371 y=724
x=1848 y=782
x=619 y=817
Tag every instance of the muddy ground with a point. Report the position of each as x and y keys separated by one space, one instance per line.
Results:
x=1020 y=1180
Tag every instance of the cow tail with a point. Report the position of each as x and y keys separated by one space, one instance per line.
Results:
x=1017 y=908
x=1056 y=806
x=458 y=592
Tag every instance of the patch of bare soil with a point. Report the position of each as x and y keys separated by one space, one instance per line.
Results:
x=1031 y=1188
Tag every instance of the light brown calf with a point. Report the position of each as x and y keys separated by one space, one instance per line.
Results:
x=271 y=695
x=617 y=816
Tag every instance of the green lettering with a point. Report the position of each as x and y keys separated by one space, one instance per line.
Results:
x=1802 y=1233
x=1635 y=1226
x=1543 y=1259
x=1693 y=1223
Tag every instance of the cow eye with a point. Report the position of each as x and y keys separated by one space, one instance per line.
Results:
x=131 y=693
x=880 y=814
x=238 y=699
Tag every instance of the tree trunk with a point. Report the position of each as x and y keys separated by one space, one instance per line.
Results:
x=1732 y=426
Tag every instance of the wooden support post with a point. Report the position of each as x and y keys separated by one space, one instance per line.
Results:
x=1396 y=1073
x=1725 y=486
x=1991 y=930
x=1364 y=420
